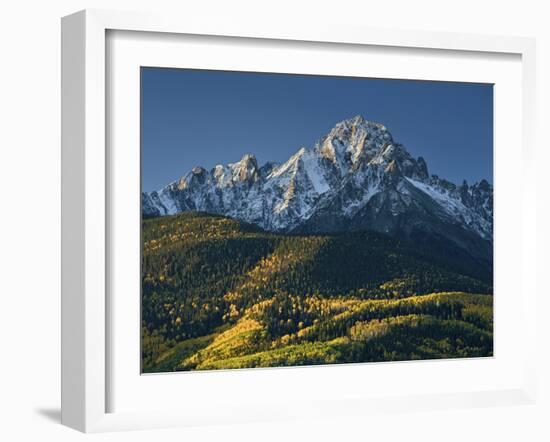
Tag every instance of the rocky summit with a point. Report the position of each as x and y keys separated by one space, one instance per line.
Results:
x=354 y=178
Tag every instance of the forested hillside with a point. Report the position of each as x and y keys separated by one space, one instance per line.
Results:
x=219 y=293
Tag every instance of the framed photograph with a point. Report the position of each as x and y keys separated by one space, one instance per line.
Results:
x=271 y=222
x=348 y=250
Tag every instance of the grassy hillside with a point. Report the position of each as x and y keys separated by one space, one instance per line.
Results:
x=218 y=293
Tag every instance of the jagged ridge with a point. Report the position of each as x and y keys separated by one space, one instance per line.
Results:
x=355 y=177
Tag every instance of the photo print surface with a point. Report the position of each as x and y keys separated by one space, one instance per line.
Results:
x=297 y=220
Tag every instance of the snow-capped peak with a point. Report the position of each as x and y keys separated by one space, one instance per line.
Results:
x=356 y=176
x=246 y=169
x=352 y=141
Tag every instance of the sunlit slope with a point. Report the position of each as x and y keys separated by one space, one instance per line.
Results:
x=218 y=293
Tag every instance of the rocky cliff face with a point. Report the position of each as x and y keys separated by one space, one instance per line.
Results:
x=355 y=177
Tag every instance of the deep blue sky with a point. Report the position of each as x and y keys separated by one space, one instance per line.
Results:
x=193 y=117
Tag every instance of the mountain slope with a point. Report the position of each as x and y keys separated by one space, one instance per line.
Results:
x=354 y=178
x=221 y=293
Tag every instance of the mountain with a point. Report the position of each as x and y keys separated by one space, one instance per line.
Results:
x=354 y=178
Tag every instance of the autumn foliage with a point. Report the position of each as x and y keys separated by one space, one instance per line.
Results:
x=218 y=293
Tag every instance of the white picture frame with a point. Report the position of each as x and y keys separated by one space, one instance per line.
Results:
x=85 y=236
